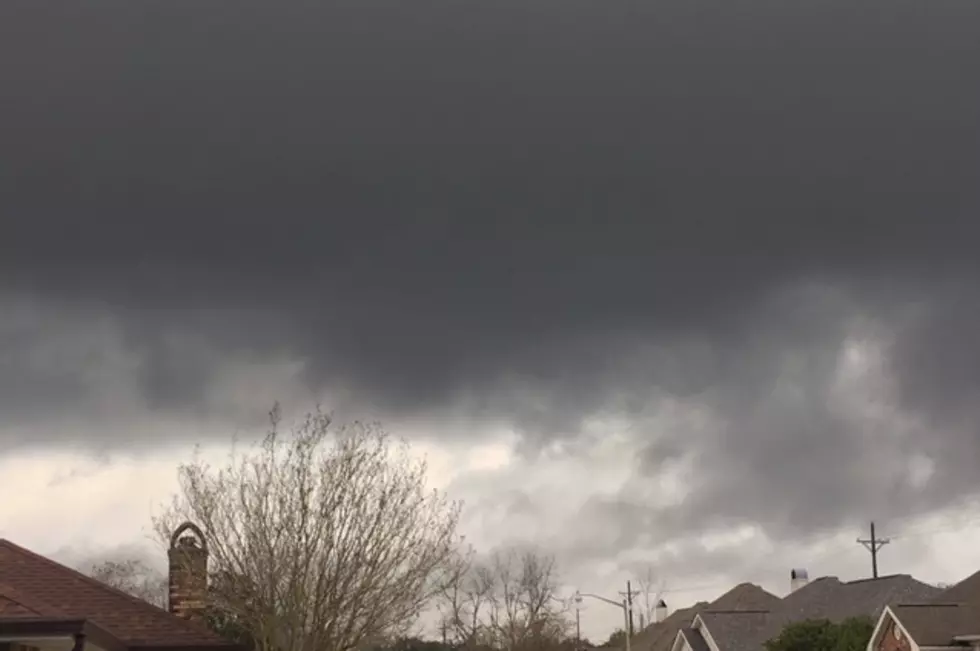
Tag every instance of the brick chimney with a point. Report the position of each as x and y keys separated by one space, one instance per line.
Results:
x=188 y=556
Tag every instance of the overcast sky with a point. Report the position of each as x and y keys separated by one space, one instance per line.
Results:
x=676 y=285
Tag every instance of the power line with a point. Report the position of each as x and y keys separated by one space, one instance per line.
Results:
x=916 y=532
x=967 y=515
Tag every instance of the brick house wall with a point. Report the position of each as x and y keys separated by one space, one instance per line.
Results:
x=892 y=639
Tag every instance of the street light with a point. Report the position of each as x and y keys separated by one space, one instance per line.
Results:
x=623 y=605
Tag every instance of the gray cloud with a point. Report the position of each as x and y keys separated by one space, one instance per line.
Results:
x=535 y=212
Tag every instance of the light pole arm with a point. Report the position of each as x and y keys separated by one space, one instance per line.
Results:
x=595 y=596
x=619 y=604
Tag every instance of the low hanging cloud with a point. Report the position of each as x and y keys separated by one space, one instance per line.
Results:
x=742 y=240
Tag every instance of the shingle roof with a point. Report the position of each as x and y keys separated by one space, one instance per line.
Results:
x=735 y=630
x=694 y=639
x=823 y=598
x=951 y=612
x=938 y=624
x=32 y=586
x=660 y=635
x=966 y=591
x=829 y=598
x=10 y=608
x=745 y=596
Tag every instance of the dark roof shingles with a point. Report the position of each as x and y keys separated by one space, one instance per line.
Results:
x=823 y=598
x=829 y=598
x=660 y=636
x=938 y=624
x=735 y=630
x=935 y=621
x=966 y=591
x=694 y=639
x=745 y=596
x=66 y=592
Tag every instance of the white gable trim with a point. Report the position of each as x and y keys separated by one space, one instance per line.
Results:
x=887 y=614
x=699 y=624
x=876 y=633
x=680 y=642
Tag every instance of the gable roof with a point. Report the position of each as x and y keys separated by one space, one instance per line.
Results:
x=937 y=624
x=745 y=596
x=32 y=586
x=660 y=636
x=823 y=598
x=829 y=598
x=694 y=639
x=735 y=630
x=937 y=620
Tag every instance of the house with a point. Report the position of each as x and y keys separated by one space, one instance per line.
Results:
x=661 y=635
x=748 y=628
x=45 y=606
x=950 y=620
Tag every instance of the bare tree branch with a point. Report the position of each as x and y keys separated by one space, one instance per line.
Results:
x=133 y=577
x=324 y=539
x=465 y=590
x=508 y=602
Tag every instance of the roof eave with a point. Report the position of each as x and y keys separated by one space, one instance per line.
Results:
x=27 y=627
x=218 y=646
x=41 y=627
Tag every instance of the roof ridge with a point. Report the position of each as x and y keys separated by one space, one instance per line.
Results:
x=150 y=609
x=736 y=611
x=879 y=578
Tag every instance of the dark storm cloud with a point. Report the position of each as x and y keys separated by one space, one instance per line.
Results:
x=537 y=209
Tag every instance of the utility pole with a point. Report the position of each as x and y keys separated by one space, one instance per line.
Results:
x=578 y=629
x=627 y=614
x=873 y=545
x=629 y=606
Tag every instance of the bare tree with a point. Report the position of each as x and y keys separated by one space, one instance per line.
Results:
x=465 y=590
x=133 y=577
x=648 y=586
x=508 y=601
x=524 y=610
x=325 y=539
